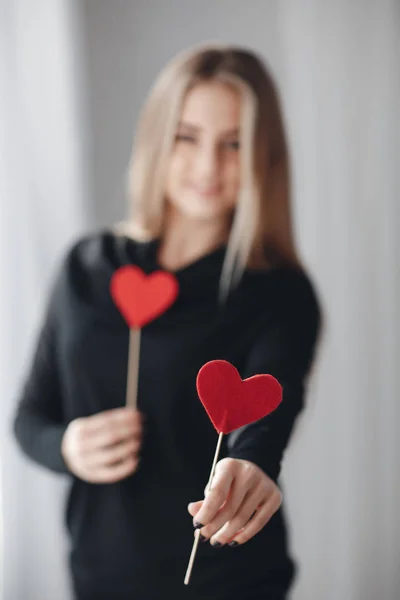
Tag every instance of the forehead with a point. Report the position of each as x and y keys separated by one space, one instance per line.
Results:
x=213 y=105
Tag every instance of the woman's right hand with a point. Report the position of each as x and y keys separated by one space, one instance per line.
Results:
x=103 y=448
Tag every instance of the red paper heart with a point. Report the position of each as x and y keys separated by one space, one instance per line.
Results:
x=142 y=298
x=231 y=402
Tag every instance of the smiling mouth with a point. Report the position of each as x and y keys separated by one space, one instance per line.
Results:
x=211 y=191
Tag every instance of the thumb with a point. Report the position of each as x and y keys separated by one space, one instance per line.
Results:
x=194 y=507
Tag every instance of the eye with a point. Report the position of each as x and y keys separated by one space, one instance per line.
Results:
x=233 y=145
x=185 y=138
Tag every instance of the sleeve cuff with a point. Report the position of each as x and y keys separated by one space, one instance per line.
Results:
x=270 y=466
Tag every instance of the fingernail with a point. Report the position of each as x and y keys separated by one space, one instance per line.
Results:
x=203 y=538
x=197 y=525
x=216 y=545
x=233 y=544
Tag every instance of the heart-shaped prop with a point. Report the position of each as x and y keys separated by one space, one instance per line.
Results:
x=142 y=298
x=231 y=402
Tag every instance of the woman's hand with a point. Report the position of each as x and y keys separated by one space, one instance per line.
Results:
x=241 y=501
x=103 y=448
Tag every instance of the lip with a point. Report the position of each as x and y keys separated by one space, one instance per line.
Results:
x=206 y=192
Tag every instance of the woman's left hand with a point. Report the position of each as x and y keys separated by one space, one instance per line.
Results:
x=241 y=501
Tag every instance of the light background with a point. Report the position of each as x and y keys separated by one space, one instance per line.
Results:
x=73 y=76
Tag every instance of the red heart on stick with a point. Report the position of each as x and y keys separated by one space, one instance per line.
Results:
x=232 y=402
x=142 y=298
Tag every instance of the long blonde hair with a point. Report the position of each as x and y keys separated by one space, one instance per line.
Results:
x=261 y=232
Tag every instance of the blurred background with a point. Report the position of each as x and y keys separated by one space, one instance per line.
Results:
x=73 y=77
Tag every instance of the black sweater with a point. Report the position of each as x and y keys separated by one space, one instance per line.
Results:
x=132 y=539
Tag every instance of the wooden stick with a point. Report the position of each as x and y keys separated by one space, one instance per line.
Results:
x=197 y=532
x=133 y=367
x=221 y=435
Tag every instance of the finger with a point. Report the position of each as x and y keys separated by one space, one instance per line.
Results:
x=101 y=419
x=112 y=474
x=260 y=519
x=117 y=453
x=194 y=507
x=241 y=517
x=114 y=417
x=114 y=431
x=110 y=438
x=217 y=494
x=235 y=498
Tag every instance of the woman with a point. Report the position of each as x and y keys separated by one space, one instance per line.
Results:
x=209 y=200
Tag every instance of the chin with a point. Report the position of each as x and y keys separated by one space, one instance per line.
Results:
x=205 y=215
x=205 y=208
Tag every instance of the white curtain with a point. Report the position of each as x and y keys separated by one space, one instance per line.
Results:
x=42 y=207
x=337 y=64
x=341 y=87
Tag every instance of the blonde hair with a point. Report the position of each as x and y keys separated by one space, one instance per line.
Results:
x=261 y=232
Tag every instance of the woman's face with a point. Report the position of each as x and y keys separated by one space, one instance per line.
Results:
x=204 y=172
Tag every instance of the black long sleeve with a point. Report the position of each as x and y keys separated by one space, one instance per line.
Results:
x=38 y=423
x=285 y=348
x=79 y=367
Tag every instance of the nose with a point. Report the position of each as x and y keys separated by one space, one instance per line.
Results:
x=207 y=163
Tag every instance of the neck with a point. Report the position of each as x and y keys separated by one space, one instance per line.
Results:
x=185 y=240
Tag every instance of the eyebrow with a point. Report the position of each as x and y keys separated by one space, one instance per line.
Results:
x=184 y=125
